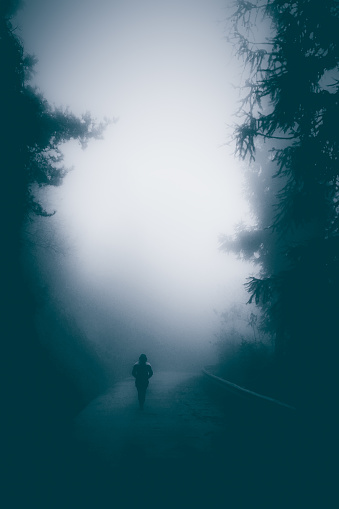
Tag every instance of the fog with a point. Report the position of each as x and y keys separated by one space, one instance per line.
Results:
x=133 y=255
x=130 y=260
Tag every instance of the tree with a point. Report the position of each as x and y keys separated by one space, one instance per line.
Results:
x=32 y=130
x=31 y=135
x=288 y=131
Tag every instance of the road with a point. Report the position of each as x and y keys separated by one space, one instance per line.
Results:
x=177 y=418
x=192 y=446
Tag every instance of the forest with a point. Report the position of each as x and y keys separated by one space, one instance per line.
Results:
x=288 y=137
x=286 y=134
x=39 y=395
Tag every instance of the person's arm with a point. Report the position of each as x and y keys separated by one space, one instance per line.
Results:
x=150 y=371
x=134 y=371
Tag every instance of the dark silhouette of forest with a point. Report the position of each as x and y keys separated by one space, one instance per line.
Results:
x=39 y=395
x=287 y=133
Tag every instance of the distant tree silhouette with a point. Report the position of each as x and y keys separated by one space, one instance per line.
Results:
x=288 y=131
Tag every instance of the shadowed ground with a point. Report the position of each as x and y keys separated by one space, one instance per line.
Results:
x=177 y=418
x=193 y=446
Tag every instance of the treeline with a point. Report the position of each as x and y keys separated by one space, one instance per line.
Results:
x=39 y=393
x=288 y=133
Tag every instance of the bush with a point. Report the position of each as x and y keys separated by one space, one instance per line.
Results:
x=254 y=366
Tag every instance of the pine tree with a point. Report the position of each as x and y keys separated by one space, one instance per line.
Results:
x=288 y=131
x=32 y=132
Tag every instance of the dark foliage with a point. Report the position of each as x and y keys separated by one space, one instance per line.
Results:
x=39 y=395
x=32 y=131
x=289 y=132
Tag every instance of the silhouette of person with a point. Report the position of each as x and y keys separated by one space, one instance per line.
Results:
x=142 y=372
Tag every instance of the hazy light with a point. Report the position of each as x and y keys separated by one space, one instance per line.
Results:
x=144 y=207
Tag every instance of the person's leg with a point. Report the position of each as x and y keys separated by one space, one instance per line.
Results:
x=141 y=395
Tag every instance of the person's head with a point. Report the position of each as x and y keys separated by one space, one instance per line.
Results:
x=143 y=358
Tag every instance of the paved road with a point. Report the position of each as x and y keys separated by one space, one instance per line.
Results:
x=178 y=417
x=192 y=446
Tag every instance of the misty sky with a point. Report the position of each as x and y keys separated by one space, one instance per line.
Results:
x=142 y=210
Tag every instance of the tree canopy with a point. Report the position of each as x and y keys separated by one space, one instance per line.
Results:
x=32 y=133
x=288 y=132
x=32 y=130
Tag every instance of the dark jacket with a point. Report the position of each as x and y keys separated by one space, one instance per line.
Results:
x=142 y=372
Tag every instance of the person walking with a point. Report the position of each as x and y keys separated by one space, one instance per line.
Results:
x=142 y=372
